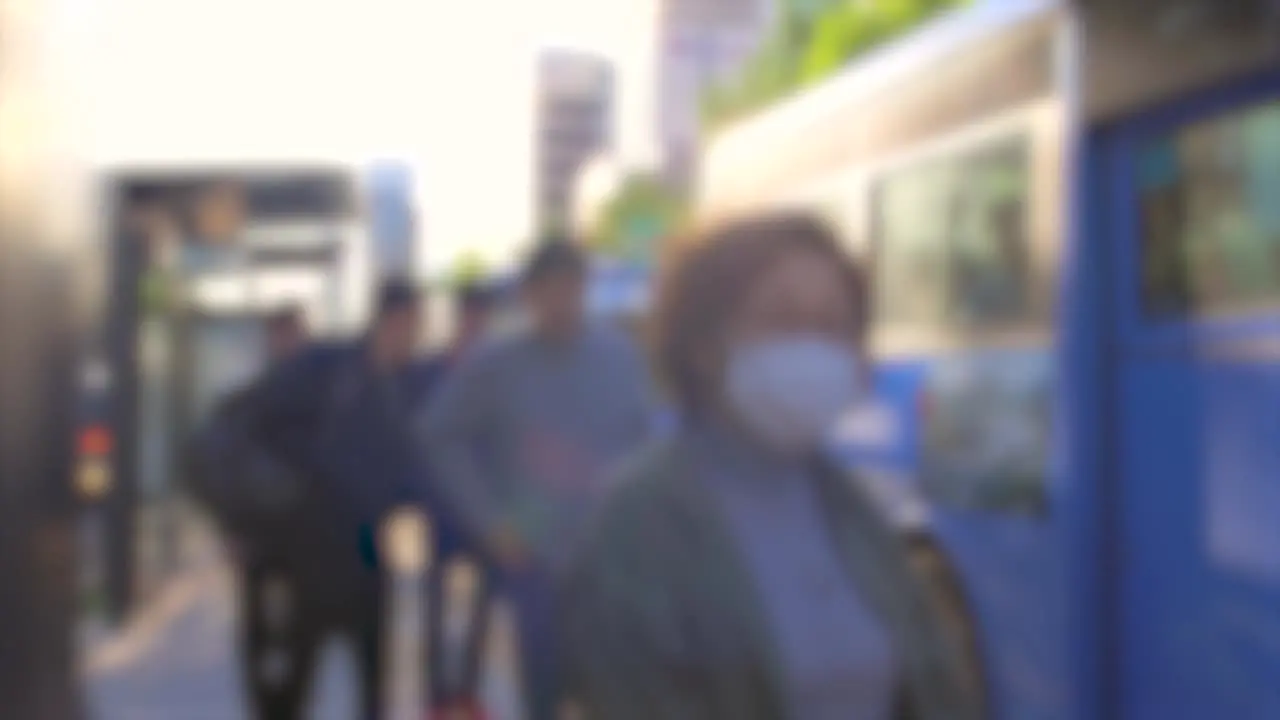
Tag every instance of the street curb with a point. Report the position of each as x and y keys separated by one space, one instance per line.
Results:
x=144 y=630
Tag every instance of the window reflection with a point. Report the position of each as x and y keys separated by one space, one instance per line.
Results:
x=953 y=242
x=913 y=210
x=1209 y=217
x=992 y=266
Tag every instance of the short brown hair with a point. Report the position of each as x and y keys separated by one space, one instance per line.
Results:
x=396 y=294
x=709 y=280
x=554 y=256
x=289 y=318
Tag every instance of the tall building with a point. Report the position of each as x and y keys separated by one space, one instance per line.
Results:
x=700 y=42
x=393 y=225
x=574 y=123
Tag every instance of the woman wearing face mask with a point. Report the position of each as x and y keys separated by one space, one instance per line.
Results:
x=735 y=574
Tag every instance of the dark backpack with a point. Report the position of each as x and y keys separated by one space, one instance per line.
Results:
x=241 y=483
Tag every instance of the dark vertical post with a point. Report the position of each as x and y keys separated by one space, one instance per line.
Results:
x=128 y=250
x=38 y=335
x=183 y=323
x=37 y=609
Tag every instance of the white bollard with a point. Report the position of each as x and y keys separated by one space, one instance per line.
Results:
x=406 y=538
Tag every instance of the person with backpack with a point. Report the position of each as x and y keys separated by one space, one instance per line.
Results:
x=235 y=484
x=250 y=496
x=338 y=416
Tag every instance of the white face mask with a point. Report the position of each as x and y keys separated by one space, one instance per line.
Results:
x=791 y=390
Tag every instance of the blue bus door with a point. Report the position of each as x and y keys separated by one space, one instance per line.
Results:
x=1196 y=229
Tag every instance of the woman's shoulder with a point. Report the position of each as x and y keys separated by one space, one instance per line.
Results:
x=647 y=478
x=642 y=502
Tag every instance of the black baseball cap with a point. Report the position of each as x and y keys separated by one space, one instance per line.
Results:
x=475 y=296
x=397 y=294
x=554 y=256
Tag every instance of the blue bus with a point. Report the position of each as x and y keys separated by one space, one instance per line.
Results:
x=1072 y=215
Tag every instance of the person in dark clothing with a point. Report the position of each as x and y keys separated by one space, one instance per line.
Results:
x=474 y=305
x=338 y=415
x=252 y=517
x=218 y=472
x=213 y=484
x=455 y=671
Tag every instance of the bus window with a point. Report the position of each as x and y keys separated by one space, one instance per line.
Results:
x=953 y=248
x=1209 y=222
x=1165 y=281
x=991 y=268
x=913 y=218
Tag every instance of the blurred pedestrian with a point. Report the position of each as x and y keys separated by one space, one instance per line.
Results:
x=251 y=499
x=219 y=446
x=736 y=572
x=474 y=305
x=454 y=672
x=338 y=414
x=522 y=436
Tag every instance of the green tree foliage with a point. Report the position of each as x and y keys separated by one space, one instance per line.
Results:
x=812 y=40
x=846 y=30
x=470 y=267
x=157 y=292
x=643 y=206
x=766 y=75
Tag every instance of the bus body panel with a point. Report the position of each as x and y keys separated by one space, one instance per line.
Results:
x=1199 y=397
x=1007 y=555
x=1020 y=598
x=1083 y=466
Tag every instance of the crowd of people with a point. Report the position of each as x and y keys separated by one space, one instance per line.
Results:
x=717 y=567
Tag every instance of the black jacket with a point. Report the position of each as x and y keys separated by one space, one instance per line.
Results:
x=346 y=429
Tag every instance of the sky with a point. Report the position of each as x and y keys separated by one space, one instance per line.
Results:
x=608 y=28
x=445 y=85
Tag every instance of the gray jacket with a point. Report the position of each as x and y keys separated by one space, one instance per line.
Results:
x=523 y=434
x=661 y=620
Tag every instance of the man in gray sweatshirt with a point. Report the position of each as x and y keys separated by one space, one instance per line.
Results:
x=521 y=439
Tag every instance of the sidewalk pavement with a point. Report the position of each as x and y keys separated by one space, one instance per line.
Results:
x=176 y=660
